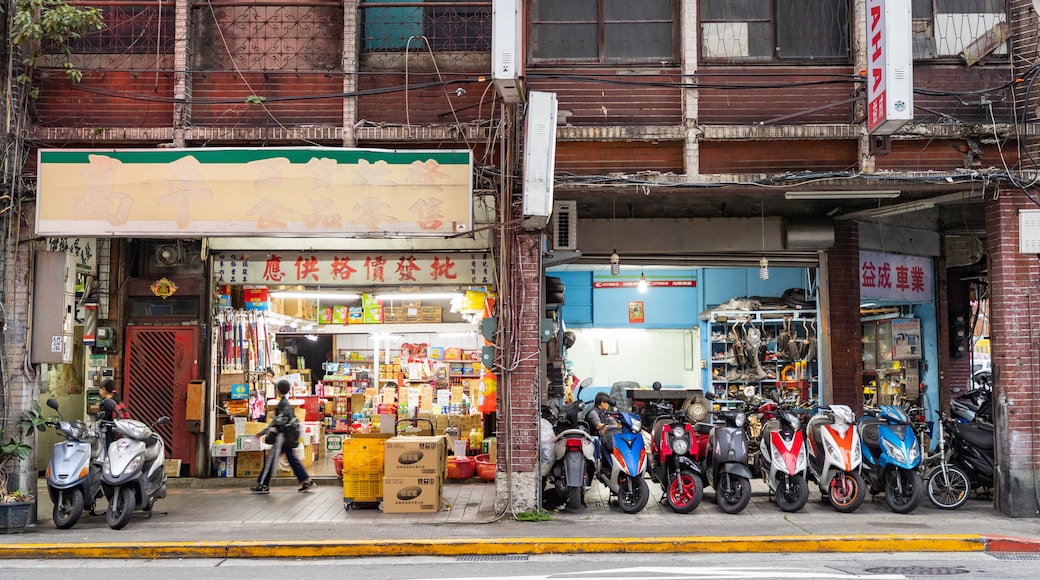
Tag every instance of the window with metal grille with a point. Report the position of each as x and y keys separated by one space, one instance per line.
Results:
x=971 y=30
x=449 y=26
x=603 y=31
x=741 y=31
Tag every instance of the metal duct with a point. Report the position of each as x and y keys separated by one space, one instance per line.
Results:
x=800 y=234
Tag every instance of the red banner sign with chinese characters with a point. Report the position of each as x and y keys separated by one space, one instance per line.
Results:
x=895 y=277
x=353 y=268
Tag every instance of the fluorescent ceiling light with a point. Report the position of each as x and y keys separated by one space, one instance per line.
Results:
x=314 y=295
x=844 y=194
x=418 y=296
x=901 y=209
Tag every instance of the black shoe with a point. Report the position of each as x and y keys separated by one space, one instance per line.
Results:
x=307 y=486
x=260 y=489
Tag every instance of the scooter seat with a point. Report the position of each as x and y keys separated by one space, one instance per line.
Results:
x=151 y=448
x=978 y=436
x=607 y=439
x=870 y=433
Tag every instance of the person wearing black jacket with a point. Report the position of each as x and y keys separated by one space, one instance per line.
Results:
x=284 y=429
x=107 y=408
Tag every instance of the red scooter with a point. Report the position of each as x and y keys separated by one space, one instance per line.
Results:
x=672 y=463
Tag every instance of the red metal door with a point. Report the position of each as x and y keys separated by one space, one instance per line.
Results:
x=159 y=363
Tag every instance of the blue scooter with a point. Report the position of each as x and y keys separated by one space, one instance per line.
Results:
x=891 y=457
x=623 y=462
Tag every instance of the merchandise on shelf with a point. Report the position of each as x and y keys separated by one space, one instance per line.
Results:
x=753 y=352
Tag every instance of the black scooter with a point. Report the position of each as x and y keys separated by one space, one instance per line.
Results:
x=971 y=446
x=723 y=449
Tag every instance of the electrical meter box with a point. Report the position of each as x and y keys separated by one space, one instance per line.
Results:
x=53 y=308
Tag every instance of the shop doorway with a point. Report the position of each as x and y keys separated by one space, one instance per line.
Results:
x=159 y=363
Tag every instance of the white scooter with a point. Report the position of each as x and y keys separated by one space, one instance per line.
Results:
x=134 y=474
x=74 y=471
x=834 y=454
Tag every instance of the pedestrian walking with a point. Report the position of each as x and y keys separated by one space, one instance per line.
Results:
x=283 y=434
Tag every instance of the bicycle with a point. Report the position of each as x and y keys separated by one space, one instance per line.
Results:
x=947 y=485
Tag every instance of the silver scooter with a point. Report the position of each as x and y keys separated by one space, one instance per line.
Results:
x=74 y=471
x=134 y=474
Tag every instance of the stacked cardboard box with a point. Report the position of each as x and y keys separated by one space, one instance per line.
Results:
x=414 y=472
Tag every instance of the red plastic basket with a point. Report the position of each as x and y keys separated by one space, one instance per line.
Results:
x=461 y=467
x=485 y=467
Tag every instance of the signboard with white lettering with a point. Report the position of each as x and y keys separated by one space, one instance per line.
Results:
x=890 y=68
x=895 y=277
x=305 y=191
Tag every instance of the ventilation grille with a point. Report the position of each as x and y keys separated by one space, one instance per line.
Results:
x=565 y=225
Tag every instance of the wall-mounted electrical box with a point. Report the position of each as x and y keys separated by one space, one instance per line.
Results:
x=539 y=158
x=53 y=308
x=507 y=52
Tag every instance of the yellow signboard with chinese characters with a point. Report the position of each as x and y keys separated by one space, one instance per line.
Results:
x=303 y=192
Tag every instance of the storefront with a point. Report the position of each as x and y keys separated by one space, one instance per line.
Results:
x=398 y=337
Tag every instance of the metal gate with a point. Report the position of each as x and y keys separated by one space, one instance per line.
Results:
x=159 y=363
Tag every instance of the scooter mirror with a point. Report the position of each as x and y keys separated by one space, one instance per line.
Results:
x=164 y=420
x=709 y=395
x=53 y=404
x=656 y=386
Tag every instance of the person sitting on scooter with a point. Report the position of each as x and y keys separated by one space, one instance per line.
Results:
x=287 y=429
x=598 y=417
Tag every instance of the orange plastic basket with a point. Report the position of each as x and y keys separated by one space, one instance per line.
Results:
x=461 y=467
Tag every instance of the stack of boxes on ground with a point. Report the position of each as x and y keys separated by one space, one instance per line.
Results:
x=414 y=472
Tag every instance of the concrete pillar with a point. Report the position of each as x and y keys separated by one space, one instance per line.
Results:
x=182 y=66
x=350 y=71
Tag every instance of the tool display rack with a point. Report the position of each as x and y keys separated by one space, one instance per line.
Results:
x=791 y=366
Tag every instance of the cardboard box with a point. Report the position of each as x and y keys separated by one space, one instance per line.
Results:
x=172 y=467
x=305 y=453
x=416 y=456
x=430 y=314
x=253 y=427
x=223 y=467
x=411 y=495
x=249 y=463
x=249 y=443
x=224 y=450
x=229 y=434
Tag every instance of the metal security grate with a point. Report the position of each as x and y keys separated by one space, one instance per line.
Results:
x=918 y=570
x=1015 y=555
x=503 y=558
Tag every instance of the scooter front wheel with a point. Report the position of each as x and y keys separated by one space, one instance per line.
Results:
x=632 y=500
x=847 y=492
x=685 y=491
x=903 y=491
x=121 y=509
x=792 y=493
x=948 y=487
x=732 y=492
x=68 y=508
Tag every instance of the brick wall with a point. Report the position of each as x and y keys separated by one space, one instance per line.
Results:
x=776 y=156
x=846 y=331
x=1015 y=326
x=520 y=422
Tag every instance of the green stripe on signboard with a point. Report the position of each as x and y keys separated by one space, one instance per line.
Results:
x=294 y=155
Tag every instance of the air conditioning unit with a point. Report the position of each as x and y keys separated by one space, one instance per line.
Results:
x=507 y=49
x=539 y=158
x=564 y=225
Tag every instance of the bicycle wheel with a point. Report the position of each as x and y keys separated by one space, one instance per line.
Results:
x=948 y=487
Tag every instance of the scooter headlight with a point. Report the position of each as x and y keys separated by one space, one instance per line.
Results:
x=134 y=463
x=740 y=419
x=637 y=425
x=107 y=467
x=681 y=446
x=896 y=453
x=678 y=430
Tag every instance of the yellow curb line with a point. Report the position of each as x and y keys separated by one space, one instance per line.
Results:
x=498 y=546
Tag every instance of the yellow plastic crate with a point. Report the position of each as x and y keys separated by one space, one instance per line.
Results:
x=362 y=487
x=363 y=455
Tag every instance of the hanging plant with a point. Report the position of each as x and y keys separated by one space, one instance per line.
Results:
x=54 y=24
